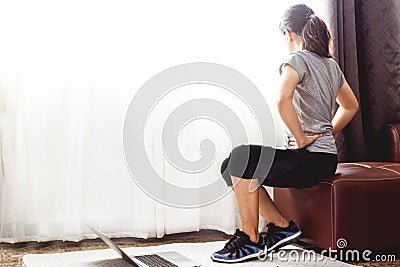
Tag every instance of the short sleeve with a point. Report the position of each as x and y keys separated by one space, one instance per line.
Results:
x=337 y=73
x=342 y=79
x=297 y=63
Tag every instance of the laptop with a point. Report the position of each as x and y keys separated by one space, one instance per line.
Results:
x=164 y=259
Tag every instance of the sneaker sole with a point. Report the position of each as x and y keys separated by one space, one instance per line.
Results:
x=246 y=258
x=286 y=241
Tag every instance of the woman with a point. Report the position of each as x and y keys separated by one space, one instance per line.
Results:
x=311 y=83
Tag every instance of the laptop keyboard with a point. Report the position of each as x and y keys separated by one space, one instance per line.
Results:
x=155 y=260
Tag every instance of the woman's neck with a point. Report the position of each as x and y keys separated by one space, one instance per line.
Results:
x=297 y=46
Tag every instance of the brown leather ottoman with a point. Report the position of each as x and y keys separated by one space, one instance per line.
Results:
x=360 y=204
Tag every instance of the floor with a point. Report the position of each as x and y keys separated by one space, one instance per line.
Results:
x=11 y=254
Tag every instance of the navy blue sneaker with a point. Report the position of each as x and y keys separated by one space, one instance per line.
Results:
x=240 y=248
x=277 y=237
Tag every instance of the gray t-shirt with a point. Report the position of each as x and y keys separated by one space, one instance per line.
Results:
x=319 y=81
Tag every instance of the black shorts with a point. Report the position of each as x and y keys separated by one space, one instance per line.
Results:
x=290 y=168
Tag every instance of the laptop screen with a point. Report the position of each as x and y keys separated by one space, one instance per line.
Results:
x=111 y=244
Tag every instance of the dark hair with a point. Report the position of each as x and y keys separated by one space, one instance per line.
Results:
x=315 y=36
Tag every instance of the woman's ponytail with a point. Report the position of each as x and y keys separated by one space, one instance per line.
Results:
x=314 y=33
x=316 y=37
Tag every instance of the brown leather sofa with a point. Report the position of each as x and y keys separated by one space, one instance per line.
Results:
x=358 y=208
x=393 y=145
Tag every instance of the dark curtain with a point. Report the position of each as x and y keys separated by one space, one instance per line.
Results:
x=366 y=37
x=378 y=39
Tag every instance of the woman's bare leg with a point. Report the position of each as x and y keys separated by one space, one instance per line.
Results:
x=254 y=200
x=268 y=209
x=248 y=204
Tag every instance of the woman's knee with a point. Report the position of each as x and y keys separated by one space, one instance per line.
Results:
x=225 y=171
x=240 y=157
x=240 y=150
x=224 y=165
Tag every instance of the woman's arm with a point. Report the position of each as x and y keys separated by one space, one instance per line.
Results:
x=289 y=81
x=348 y=107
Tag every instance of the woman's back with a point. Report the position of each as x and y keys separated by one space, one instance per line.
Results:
x=319 y=81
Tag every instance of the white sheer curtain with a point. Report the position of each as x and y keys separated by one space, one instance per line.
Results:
x=68 y=71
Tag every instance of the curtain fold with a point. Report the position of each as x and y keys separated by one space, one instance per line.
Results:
x=341 y=20
x=68 y=72
x=367 y=46
x=378 y=38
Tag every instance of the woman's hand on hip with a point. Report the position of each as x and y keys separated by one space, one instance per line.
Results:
x=303 y=141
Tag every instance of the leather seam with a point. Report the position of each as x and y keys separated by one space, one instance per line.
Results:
x=383 y=168
x=359 y=164
x=395 y=131
x=367 y=180
x=349 y=168
x=389 y=165
x=361 y=180
x=397 y=137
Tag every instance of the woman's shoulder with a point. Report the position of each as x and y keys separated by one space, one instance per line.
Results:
x=303 y=53
x=296 y=54
x=309 y=54
x=308 y=57
x=302 y=56
x=297 y=59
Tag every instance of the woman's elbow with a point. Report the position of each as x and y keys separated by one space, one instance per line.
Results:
x=356 y=107
x=353 y=109
x=282 y=101
x=352 y=106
